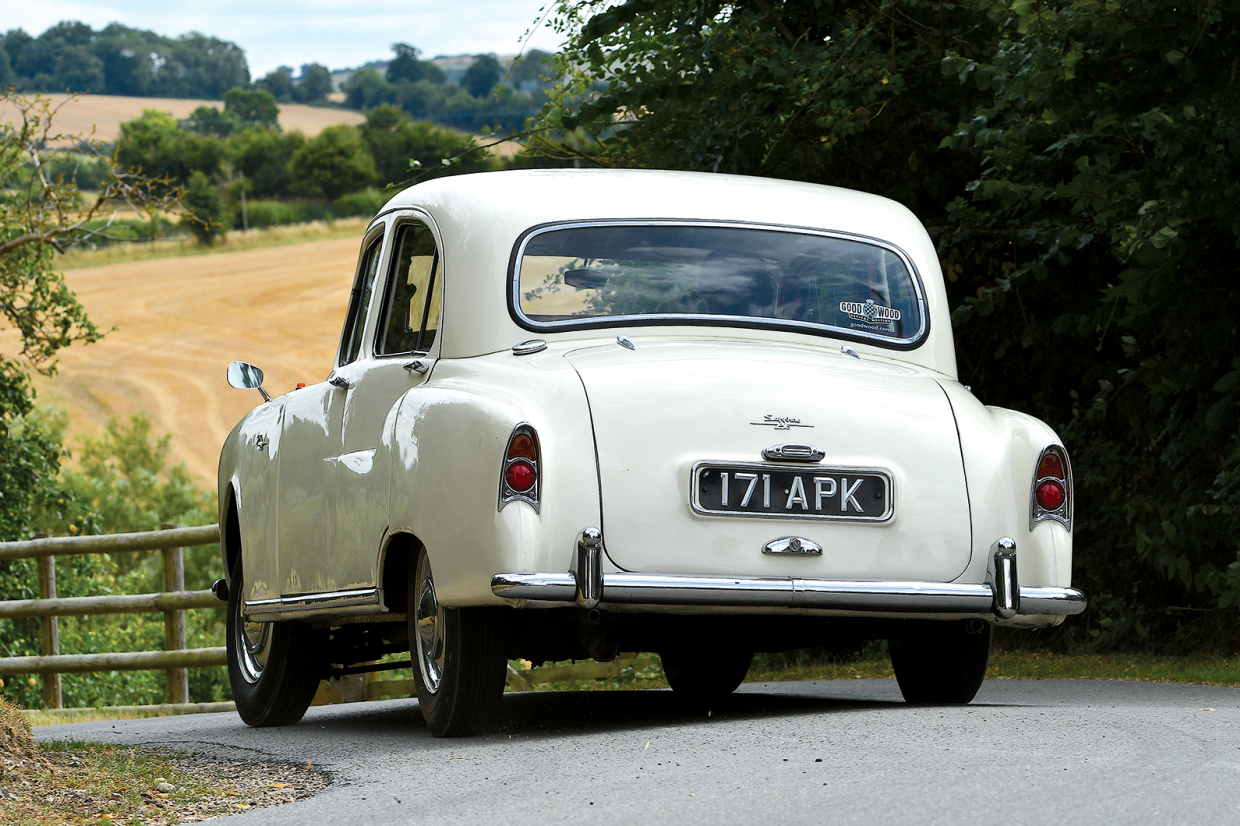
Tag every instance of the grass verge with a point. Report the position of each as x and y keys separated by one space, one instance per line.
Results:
x=874 y=664
x=88 y=783
x=235 y=240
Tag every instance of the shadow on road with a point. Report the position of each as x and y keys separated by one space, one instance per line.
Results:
x=571 y=714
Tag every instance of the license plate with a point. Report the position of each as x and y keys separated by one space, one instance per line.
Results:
x=809 y=492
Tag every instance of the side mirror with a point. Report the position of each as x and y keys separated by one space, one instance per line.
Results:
x=245 y=376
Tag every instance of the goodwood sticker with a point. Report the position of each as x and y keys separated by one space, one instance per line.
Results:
x=870 y=316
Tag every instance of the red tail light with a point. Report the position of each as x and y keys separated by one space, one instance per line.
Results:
x=519 y=478
x=1051 y=497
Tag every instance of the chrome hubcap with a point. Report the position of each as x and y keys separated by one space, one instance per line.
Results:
x=253 y=645
x=429 y=629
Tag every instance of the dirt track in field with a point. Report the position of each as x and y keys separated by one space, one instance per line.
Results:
x=182 y=320
x=105 y=113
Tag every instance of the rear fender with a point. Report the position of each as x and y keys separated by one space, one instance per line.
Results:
x=1001 y=448
x=448 y=444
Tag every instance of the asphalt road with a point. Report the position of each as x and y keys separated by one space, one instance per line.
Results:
x=1025 y=752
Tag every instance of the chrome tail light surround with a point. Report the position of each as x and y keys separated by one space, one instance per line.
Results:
x=515 y=454
x=1041 y=475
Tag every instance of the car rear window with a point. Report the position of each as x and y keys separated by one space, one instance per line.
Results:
x=600 y=274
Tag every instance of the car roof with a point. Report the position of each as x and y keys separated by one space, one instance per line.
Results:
x=481 y=216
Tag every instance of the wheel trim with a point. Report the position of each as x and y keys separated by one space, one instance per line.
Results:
x=253 y=646
x=430 y=628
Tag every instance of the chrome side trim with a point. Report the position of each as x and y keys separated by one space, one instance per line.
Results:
x=328 y=599
x=789 y=592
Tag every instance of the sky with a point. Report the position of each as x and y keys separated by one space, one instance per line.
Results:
x=337 y=33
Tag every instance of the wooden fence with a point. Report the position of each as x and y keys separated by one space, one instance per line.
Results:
x=173 y=601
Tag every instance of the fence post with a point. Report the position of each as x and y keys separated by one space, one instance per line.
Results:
x=177 y=679
x=49 y=630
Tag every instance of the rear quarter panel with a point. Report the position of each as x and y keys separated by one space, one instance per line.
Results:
x=1000 y=449
x=448 y=445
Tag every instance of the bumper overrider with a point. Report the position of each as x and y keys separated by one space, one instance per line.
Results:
x=1001 y=594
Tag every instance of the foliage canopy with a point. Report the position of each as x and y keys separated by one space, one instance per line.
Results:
x=1077 y=163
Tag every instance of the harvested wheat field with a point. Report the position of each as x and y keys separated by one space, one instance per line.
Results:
x=104 y=114
x=182 y=320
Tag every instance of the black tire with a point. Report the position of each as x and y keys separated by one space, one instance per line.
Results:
x=272 y=666
x=458 y=659
x=941 y=663
x=700 y=675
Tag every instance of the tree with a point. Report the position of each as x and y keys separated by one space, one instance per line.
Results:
x=404 y=150
x=6 y=69
x=366 y=88
x=262 y=156
x=315 y=84
x=79 y=70
x=1101 y=226
x=405 y=67
x=40 y=216
x=482 y=76
x=333 y=163
x=279 y=83
x=257 y=106
x=528 y=70
x=1076 y=163
x=155 y=146
x=210 y=120
x=207 y=217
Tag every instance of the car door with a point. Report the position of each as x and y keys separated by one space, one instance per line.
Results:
x=400 y=359
x=310 y=456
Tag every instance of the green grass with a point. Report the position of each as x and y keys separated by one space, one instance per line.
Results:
x=874 y=664
x=235 y=241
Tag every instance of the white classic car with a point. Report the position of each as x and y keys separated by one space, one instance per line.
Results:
x=582 y=411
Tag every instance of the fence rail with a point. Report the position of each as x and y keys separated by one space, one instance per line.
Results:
x=173 y=602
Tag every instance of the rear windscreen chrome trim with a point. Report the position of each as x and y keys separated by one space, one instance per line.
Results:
x=684 y=320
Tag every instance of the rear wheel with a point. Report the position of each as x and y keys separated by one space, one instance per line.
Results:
x=942 y=663
x=458 y=658
x=272 y=666
x=704 y=674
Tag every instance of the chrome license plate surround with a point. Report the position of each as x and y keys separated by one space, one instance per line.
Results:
x=877 y=486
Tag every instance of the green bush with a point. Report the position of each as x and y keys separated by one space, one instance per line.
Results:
x=272 y=214
x=367 y=202
x=122 y=483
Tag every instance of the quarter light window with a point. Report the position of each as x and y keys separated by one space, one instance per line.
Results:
x=411 y=306
x=359 y=300
x=588 y=275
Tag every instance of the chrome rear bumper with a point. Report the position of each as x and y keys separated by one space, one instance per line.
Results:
x=586 y=586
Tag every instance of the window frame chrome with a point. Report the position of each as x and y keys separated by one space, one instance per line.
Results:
x=395 y=220
x=695 y=319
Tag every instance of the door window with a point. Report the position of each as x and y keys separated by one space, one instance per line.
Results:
x=411 y=307
x=359 y=300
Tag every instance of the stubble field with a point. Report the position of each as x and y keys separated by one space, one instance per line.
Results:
x=104 y=114
x=180 y=321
